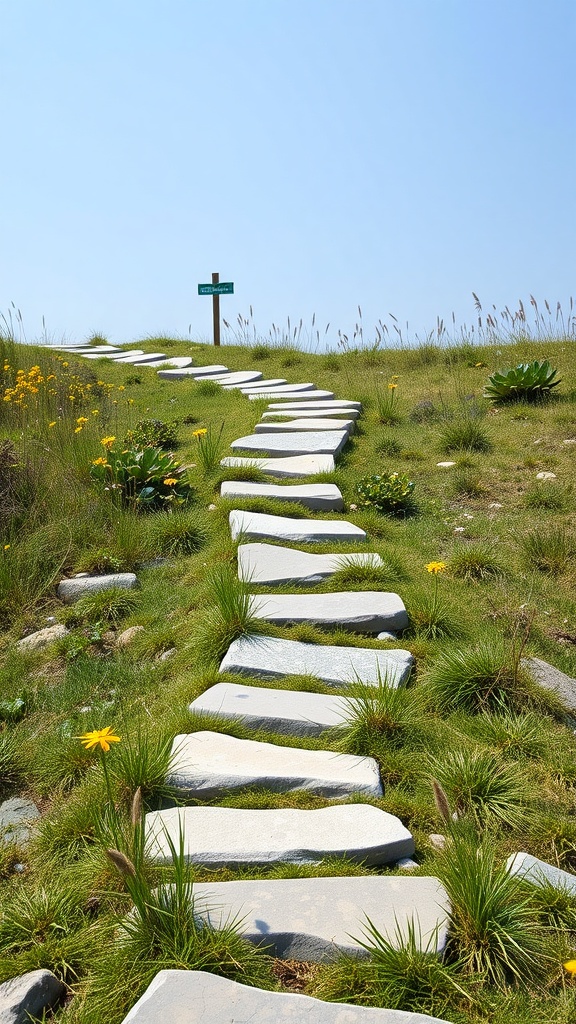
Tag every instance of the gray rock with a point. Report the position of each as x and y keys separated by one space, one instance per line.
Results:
x=437 y=841
x=318 y=404
x=43 y=637
x=281 y=392
x=234 y=837
x=322 y=497
x=365 y=611
x=540 y=873
x=299 y=465
x=178 y=362
x=153 y=358
x=209 y=764
x=232 y=379
x=173 y=994
x=303 y=424
x=125 y=638
x=28 y=996
x=16 y=816
x=299 y=442
x=407 y=864
x=167 y=654
x=290 y=413
x=273 y=565
x=257 y=525
x=550 y=678
x=445 y=465
x=72 y=590
x=271 y=657
x=258 y=383
x=277 y=385
x=193 y=372
x=285 y=711
x=545 y=476
x=387 y=635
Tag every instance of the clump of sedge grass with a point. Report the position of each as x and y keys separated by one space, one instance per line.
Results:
x=110 y=605
x=477 y=679
x=228 y=617
x=549 y=550
x=549 y=497
x=465 y=435
x=210 y=447
x=481 y=786
x=355 y=574
x=475 y=562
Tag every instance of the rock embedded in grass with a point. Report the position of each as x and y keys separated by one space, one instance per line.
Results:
x=319 y=497
x=294 y=712
x=233 y=837
x=269 y=657
x=72 y=590
x=207 y=764
x=315 y=404
x=297 y=466
x=545 y=476
x=258 y=525
x=363 y=611
x=273 y=565
x=219 y=1001
x=29 y=996
x=16 y=817
x=289 y=413
x=298 y=425
x=42 y=638
x=287 y=392
x=298 y=442
x=540 y=873
x=550 y=678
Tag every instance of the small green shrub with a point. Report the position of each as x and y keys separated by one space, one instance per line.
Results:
x=142 y=761
x=549 y=550
x=520 y=735
x=425 y=412
x=467 y=484
x=377 y=710
x=210 y=448
x=389 y=493
x=208 y=388
x=144 y=479
x=111 y=605
x=175 y=533
x=475 y=562
x=528 y=381
x=550 y=497
x=355 y=575
x=152 y=434
x=476 y=679
x=260 y=352
x=479 y=784
x=388 y=446
x=465 y=435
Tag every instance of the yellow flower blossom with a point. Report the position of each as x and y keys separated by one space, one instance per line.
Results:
x=570 y=966
x=436 y=567
x=121 y=388
x=6 y=547
x=170 y=480
x=53 y=424
x=100 y=462
x=95 y=412
x=78 y=430
x=392 y=386
x=108 y=441
x=99 y=738
x=81 y=420
x=200 y=432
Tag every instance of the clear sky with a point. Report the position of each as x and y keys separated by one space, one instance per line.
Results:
x=321 y=154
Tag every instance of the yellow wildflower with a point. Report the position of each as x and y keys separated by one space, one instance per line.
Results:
x=100 y=462
x=108 y=441
x=392 y=386
x=121 y=388
x=95 y=412
x=200 y=432
x=170 y=480
x=570 y=966
x=436 y=567
x=99 y=737
x=53 y=424
x=6 y=547
x=81 y=420
x=64 y=364
x=78 y=430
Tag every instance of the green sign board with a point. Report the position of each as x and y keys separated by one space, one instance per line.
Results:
x=225 y=288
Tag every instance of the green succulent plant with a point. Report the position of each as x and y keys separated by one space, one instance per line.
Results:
x=149 y=478
x=390 y=493
x=528 y=381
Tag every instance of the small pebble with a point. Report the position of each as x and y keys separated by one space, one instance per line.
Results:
x=495 y=504
x=437 y=841
x=445 y=465
x=387 y=636
x=80 y=575
x=459 y=529
x=211 y=508
x=407 y=864
x=20 y=868
x=569 y=440
x=545 y=476
x=50 y=619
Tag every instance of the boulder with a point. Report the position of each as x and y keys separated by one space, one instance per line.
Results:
x=29 y=996
x=72 y=590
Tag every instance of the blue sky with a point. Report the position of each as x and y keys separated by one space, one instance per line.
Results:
x=321 y=154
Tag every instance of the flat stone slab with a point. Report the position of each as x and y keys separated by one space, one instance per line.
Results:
x=323 y=497
x=218 y=837
x=364 y=611
x=71 y=590
x=278 y=385
x=295 y=466
x=261 y=383
x=540 y=873
x=196 y=371
x=271 y=657
x=305 y=442
x=196 y=997
x=43 y=637
x=234 y=378
x=16 y=817
x=326 y=404
x=316 y=423
x=268 y=565
x=210 y=764
x=339 y=410
x=118 y=354
x=255 y=525
x=551 y=678
x=29 y=996
x=292 y=393
x=180 y=362
x=151 y=356
x=292 y=712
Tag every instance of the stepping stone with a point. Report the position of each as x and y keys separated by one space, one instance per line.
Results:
x=298 y=465
x=232 y=379
x=218 y=837
x=206 y=765
x=325 y=497
x=29 y=996
x=306 y=442
x=151 y=356
x=303 y=424
x=228 y=385
x=271 y=565
x=71 y=590
x=550 y=678
x=271 y=657
x=540 y=873
x=170 y=996
x=321 y=404
x=286 y=711
x=82 y=348
x=257 y=525
x=119 y=354
x=364 y=611
x=289 y=414
x=277 y=386
x=179 y=362
x=282 y=393
x=16 y=817
x=194 y=371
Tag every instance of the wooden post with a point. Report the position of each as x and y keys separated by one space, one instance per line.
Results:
x=216 y=311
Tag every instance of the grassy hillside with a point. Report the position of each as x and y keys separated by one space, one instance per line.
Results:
x=502 y=750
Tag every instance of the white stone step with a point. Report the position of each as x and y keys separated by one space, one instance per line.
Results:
x=293 y=393
x=179 y=362
x=232 y=379
x=192 y=371
x=322 y=497
x=295 y=466
x=293 y=712
x=267 y=427
x=218 y=837
x=83 y=349
x=363 y=611
x=326 y=404
x=271 y=657
x=211 y=764
x=312 y=442
x=289 y=414
x=278 y=388
x=540 y=873
x=172 y=994
x=258 y=525
x=272 y=565
x=119 y=354
x=150 y=356
x=267 y=384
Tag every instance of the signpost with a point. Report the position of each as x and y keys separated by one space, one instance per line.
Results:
x=216 y=289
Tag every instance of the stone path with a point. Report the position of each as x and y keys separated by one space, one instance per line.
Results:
x=304 y=442
x=539 y=873
x=303 y=424
x=173 y=994
x=366 y=611
x=289 y=392
x=280 y=414
x=291 y=466
x=321 y=404
x=322 y=497
x=270 y=566
x=294 y=712
x=255 y=525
